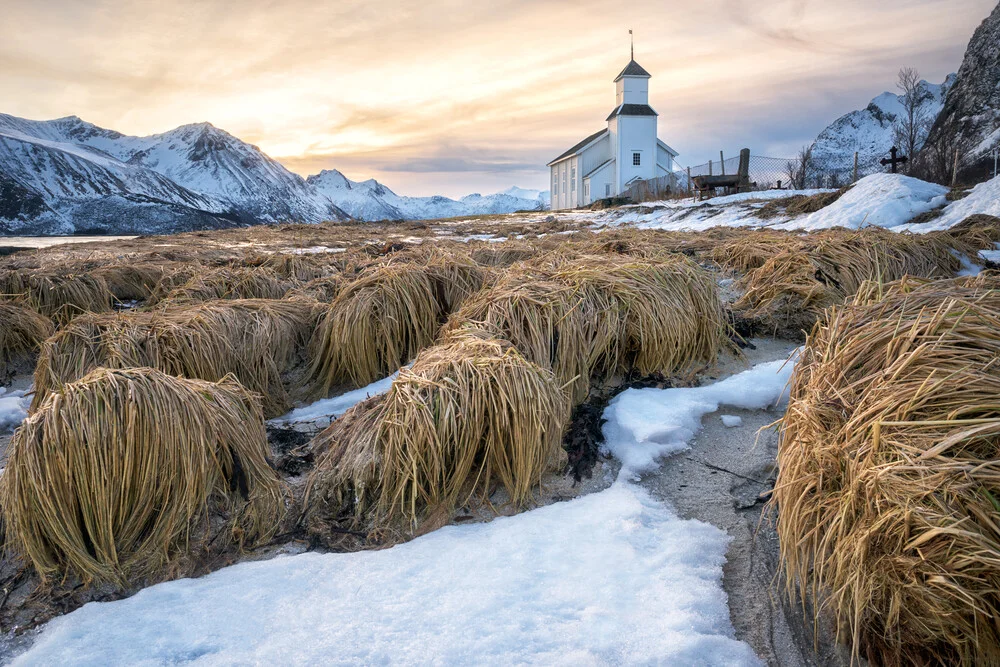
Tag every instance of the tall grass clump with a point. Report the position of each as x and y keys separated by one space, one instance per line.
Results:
x=231 y=283
x=57 y=295
x=255 y=340
x=468 y=415
x=380 y=321
x=119 y=475
x=790 y=291
x=22 y=330
x=889 y=472
x=599 y=316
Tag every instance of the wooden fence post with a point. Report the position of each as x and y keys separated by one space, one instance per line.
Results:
x=954 y=170
x=744 y=171
x=722 y=163
x=709 y=167
x=689 y=180
x=855 y=168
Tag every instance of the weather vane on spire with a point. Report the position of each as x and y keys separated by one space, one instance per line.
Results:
x=631 y=41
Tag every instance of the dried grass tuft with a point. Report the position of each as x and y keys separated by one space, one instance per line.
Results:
x=793 y=288
x=889 y=485
x=467 y=415
x=60 y=296
x=120 y=474
x=380 y=321
x=255 y=340
x=22 y=330
x=601 y=316
x=231 y=283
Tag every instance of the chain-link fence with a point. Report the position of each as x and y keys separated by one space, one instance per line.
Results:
x=798 y=173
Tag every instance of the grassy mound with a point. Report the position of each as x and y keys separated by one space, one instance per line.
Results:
x=61 y=296
x=600 y=316
x=114 y=477
x=889 y=483
x=467 y=415
x=790 y=291
x=131 y=282
x=231 y=283
x=255 y=340
x=22 y=330
x=380 y=321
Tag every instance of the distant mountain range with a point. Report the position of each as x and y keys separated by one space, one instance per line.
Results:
x=69 y=176
x=869 y=131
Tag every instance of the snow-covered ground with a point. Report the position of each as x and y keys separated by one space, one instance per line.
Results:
x=691 y=215
x=615 y=577
x=13 y=408
x=883 y=200
x=880 y=200
x=984 y=198
x=323 y=411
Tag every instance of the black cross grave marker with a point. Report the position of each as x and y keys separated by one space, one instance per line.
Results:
x=893 y=160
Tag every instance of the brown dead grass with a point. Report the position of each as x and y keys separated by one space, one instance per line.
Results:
x=889 y=482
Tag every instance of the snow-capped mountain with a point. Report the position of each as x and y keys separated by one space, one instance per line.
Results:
x=68 y=176
x=970 y=119
x=869 y=131
x=370 y=200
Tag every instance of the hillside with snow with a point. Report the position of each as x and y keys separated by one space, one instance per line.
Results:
x=69 y=176
x=869 y=131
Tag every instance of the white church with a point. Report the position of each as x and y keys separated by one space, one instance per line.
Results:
x=606 y=162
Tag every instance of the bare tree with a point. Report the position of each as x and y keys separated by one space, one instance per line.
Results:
x=798 y=169
x=910 y=130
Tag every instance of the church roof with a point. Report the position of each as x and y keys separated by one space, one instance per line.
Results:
x=577 y=148
x=633 y=69
x=632 y=110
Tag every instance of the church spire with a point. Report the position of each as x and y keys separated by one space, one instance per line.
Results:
x=631 y=40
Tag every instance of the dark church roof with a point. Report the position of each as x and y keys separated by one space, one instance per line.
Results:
x=633 y=69
x=632 y=110
x=580 y=145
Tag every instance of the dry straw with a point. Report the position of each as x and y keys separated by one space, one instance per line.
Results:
x=119 y=475
x=380 y=321
x=22 y=330
x=602 y=316
x=790 y=291
x=889 y=485
x=255 y=340
x=466 y=416
x=61 y=296
x=231 y=283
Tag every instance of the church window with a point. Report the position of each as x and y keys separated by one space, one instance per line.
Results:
x=572 y=179
x=607 y=189
x=636 y=159
x=555 y=184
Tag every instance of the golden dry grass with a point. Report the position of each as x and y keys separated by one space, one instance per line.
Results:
x=22 y=330
x=255 y=340
x=60 y=296
x=131 y=282
x=114 y=477
x=230 y=283
x=380 y=321
x=889 y=485
x=601 y=316
x=467 y=415
x=790 y=291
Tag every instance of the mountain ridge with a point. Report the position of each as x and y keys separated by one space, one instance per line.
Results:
x=67 y=175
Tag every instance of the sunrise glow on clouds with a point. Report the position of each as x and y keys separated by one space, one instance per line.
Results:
x=448 y=97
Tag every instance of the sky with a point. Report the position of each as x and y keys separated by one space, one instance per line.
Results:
x=450 y=96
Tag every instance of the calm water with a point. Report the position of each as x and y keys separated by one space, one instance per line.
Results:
x=47 y=241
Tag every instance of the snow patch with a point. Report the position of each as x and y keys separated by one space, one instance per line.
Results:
x=331 y=408
x=13 y=408
x=731 y=421
x=644 y=425
x=610 y=578
x=984 y=198
x=883 y=200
